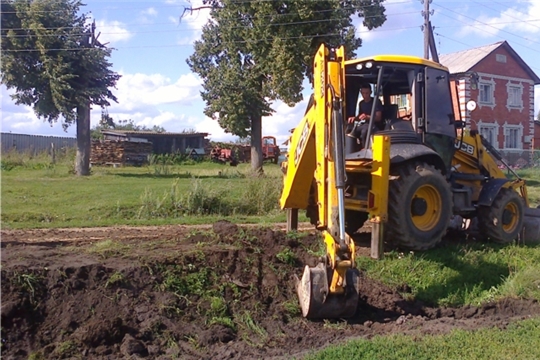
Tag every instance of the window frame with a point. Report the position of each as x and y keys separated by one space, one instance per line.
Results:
x=519 y=96
x=490 y=101
x=490 y=126
x=511 y=129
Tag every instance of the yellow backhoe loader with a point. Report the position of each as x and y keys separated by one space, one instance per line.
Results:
x=409 y=179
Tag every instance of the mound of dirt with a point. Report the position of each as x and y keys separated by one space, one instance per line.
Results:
x=224 y=292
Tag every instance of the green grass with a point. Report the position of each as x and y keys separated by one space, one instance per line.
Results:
x=532 y=177
x=460 y=275
x=51 y=196
x=519 y=341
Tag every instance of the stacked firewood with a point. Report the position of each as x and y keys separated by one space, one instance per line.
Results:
x=111 y=152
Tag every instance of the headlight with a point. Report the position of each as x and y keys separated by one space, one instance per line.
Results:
x=369 y=65
x=359 y=66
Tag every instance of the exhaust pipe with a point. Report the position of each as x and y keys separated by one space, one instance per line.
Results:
x=531 y=226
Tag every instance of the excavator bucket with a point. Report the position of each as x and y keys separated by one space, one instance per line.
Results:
x=315 y=300
x=531 y=226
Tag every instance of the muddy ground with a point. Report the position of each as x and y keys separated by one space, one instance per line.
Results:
x=216 y=292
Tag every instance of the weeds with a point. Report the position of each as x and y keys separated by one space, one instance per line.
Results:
x=292 y=308
x=64 y=349
x=523 y=284
x=286 y=256
x=225 y=321
x=335 y=325
x=30 y=283
x=182 y=281
x=296 y=235
x=39 y=161
x=198 y=200
x=117 y=278
x=108 y=248
x=260 y=196
x=38 y=355
x=246 y=319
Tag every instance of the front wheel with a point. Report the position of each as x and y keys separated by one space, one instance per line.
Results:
x=503 y=220
x=419 y=207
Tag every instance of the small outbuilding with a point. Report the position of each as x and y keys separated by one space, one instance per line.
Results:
x=162 y=142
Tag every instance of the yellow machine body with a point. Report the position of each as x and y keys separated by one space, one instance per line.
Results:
x=410 y=179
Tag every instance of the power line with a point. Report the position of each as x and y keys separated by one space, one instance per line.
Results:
x=185 y=7
x=483 y=23
x=192 y=30
x=471 y=47
x=182 y=45
x=513 y=17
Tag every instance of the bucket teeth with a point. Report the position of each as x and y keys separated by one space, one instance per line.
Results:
x=314 y=297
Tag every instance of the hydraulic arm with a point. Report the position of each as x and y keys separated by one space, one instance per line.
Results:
x=330 y=289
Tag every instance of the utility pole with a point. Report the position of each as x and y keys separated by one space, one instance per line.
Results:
x=427 y=26
x=82 y=157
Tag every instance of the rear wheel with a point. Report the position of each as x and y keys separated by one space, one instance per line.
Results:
x=503 y=220
x=419 y=207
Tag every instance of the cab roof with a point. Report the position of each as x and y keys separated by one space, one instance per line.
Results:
x=403 y=59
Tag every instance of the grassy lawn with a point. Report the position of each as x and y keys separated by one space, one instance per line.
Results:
x=456 y=275
x=518 y=341
x=38 y=195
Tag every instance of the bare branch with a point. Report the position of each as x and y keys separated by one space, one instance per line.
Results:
x=190 y=10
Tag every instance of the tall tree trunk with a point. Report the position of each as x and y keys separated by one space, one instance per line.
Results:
x=256 y=145
x=82 y=160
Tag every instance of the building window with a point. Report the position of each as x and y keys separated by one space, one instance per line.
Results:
x=486 y=93
x=490 y=133
x=513 y=137
x=500 y=58
x=515 y=96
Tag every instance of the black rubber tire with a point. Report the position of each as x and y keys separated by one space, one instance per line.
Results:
x=354 y=220
x=421 y=231
x=503 y=220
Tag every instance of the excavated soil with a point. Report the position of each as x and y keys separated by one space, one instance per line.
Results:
x=216 y=292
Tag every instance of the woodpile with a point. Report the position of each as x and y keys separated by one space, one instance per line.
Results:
x=113 y=152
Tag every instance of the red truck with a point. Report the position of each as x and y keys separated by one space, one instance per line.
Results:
x=270 y=149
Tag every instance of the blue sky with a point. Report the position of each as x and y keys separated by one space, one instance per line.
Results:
x=157 y=87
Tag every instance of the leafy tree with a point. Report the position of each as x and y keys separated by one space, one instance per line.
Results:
x=54 y=63
x=254 y=52
x=107 y=123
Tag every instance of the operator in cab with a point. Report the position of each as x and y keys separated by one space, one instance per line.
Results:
x=364 y=114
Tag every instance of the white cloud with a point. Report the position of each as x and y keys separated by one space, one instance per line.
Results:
x=139 y=90
x=154 y=99
x=399 y=18
x=112 y=31
x=21 y=119
x=174 y=19
x=210 y=126
x=284 y=119
x=147 y=16
x=522 y=18
x=195 y=20
x=150 y=11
